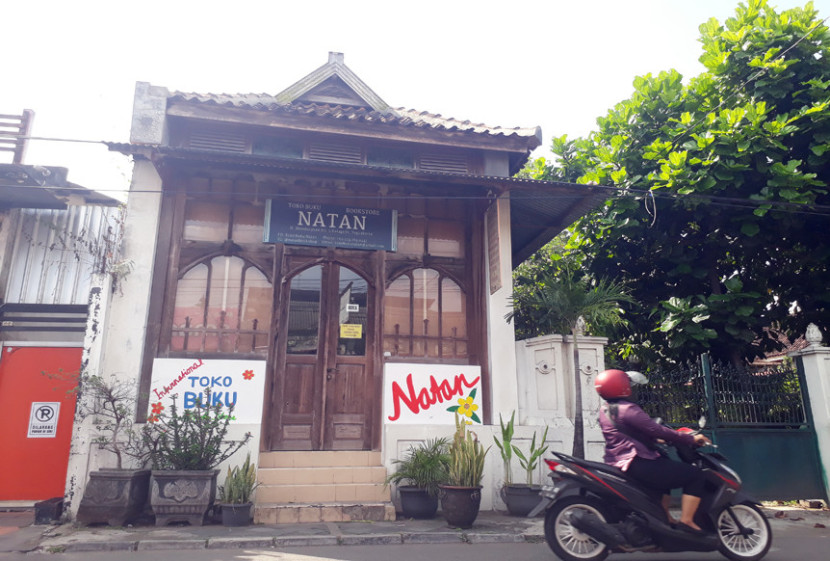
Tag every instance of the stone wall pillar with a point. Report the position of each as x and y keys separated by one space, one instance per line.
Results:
x=815 y=360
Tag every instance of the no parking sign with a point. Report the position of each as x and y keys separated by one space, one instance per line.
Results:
x=43 y=420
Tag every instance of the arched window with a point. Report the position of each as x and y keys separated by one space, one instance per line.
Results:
x=425 y=315
x=222 y=306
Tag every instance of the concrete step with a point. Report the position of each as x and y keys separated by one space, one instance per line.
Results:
x=347 y=493
x=325 y=486
x=326 y=512
x=326 y=458
x=321 y=475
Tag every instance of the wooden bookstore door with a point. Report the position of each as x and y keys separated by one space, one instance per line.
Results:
x=324 y=371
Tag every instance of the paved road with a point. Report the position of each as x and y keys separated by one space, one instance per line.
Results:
x=793 y=541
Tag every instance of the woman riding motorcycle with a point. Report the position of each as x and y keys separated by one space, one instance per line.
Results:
x=630 y=438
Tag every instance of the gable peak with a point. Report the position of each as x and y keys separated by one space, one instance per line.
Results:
x=334 y=84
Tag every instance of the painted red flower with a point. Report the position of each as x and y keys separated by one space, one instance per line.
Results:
x=248 y=374
x=157 y=408
x=153 y=419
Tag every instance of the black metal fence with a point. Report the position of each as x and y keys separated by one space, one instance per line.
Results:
x=726 y=396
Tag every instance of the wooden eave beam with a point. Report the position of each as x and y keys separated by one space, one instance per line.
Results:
x=372 y=130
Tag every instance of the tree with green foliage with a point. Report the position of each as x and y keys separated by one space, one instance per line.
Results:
x=557 y=298
x=718 y=201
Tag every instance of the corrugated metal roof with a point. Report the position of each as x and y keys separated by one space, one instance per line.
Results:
x=400 y=116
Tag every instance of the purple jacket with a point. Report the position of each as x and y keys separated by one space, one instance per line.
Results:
x=620 y=448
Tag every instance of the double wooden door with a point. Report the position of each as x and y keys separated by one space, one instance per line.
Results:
x=324 y=398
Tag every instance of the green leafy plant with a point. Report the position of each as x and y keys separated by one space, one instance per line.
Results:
x=466 y=457
x=506 y=448
x=530 y=461
x=240 y=483
x=424 y=466
x=190 y=440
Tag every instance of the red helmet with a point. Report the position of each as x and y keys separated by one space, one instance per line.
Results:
x=613 y=384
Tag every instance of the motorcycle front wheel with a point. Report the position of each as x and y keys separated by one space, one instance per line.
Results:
x=568 y=543
x=750 y=545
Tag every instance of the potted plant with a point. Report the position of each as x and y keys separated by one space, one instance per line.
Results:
x=112 y=495
x=522 y=498
x=420 y=471
x=461 y=495
x=184 y=448
x=236 y=493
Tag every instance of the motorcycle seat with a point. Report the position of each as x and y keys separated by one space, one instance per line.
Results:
x=599 y=466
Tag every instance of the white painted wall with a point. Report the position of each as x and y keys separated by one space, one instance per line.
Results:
x=120 y=317
x=544 y=388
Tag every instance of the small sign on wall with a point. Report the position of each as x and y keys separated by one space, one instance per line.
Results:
x=231 y=382
x=43 y=419
x=431 y=393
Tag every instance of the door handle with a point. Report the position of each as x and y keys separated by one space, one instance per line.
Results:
x=329 y=372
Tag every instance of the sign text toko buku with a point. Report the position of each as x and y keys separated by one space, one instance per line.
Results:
x=330 y=225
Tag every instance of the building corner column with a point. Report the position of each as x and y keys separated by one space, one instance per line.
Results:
x=815 y=364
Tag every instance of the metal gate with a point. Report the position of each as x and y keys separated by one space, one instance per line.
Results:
x=760 y=419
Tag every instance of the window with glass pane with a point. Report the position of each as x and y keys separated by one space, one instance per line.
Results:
x=222 y=306
x=353 y=291
x=206 y=221
x=248 y=224
x=446 y=238
x=209 y=222
x=424 y=315
x=304 y=312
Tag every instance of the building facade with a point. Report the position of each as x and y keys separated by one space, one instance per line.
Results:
x=338 y=269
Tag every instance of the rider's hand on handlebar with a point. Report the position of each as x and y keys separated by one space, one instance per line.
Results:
x=701 y=440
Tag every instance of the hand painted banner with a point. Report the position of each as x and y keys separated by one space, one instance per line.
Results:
x=237 y=382
x=431 y=393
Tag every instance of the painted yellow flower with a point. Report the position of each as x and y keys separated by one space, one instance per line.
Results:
x=466 y=406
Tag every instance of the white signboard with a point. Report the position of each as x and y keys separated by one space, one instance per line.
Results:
x=431 y=393
x=231 y=382
x=43 y=420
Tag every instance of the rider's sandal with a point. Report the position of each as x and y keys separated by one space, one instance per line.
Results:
x=689 y=529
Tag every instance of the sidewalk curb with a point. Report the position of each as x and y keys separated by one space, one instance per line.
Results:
x=418 y=538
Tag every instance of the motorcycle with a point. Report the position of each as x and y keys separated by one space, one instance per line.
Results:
x=593 y=509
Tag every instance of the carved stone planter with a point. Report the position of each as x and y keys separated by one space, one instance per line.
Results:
x=182 y=495
x=114 y=496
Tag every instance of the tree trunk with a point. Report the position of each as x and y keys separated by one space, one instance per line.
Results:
x=579 y=430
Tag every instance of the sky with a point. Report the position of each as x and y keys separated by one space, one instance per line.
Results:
x=558 y=64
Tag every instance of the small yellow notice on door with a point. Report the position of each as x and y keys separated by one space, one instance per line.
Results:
x=351 y=331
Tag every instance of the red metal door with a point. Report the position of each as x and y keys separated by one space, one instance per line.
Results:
x=37 y=403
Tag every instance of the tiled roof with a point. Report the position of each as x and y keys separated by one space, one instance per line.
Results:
x=400 y=116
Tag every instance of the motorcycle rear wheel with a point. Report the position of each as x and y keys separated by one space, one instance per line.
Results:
x=738 y=547
x=568 y=543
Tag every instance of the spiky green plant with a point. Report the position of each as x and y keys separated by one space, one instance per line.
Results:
x=506 y=448
x=240 y=483
x=530 y=461
x=424 y=466
x=466 y=457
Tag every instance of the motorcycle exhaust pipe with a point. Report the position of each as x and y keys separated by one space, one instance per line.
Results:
x=589 y=523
